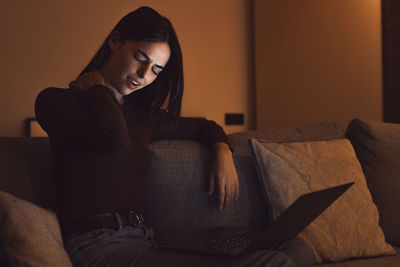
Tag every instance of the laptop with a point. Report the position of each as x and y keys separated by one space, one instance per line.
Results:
x=231 y=241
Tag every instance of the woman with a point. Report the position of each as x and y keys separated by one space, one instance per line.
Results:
x=128 y=95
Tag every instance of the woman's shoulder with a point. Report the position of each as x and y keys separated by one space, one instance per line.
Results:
x=55 y=93
x=54 y=96
x=49 y=91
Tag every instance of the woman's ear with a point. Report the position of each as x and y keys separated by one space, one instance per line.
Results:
x=114 y=40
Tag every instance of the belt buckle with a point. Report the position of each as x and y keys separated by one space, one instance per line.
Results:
x=134 y=218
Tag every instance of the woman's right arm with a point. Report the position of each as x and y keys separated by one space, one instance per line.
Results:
x=88 y=120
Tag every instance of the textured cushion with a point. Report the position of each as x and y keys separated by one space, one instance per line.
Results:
x=30 y=235
x=176 y=191
x=349 y=227
x=245 y=165
x=377 y=145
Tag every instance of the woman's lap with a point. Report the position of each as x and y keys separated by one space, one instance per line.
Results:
x=134 y=246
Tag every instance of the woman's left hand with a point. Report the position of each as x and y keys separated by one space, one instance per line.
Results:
x=224 y=176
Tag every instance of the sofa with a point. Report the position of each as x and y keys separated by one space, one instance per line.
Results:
x=176 y=198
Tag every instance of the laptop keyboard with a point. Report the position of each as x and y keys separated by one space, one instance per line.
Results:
x=234 y=243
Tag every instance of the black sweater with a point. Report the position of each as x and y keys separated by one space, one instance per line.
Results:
x=100 y=148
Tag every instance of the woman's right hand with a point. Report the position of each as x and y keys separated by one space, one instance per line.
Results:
x=88 y=79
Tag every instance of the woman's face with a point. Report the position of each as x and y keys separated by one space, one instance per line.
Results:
x=133 y=65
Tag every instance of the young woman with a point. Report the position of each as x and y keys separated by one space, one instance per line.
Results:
x=128 y=95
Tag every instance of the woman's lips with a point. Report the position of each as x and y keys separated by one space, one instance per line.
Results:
x=133 y=84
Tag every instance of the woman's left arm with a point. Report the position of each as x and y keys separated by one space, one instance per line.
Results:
x=223 y=178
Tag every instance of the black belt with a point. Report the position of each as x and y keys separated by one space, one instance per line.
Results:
x=107 y=221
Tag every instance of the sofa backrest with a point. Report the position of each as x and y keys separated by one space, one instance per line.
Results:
x=26 y=169
x=176 y=191
x=176 y=196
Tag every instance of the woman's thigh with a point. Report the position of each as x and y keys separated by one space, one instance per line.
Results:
x=134 y=246
x=107 y=247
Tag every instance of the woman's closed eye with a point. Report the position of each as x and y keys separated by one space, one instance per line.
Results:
x=156 y=70
x=140 y=58
x=143 y=58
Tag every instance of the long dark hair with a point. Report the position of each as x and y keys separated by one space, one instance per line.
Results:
x=146 y=24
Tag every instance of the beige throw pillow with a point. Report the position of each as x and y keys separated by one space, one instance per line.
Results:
x=349 y=227
x=30 y=235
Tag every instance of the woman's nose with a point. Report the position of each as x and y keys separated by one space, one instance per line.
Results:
x=143 y=70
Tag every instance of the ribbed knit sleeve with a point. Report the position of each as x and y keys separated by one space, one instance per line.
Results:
x=91 y=122
x=198 y=129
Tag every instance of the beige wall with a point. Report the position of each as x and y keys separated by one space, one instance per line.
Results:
x=317 y=60
x=46 y=43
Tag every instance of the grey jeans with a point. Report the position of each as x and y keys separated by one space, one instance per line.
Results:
x=135 y=246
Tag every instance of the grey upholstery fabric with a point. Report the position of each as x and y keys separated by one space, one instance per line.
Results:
x=26 y=169
x=310 y=132
x=176 y=198
x=377 y=145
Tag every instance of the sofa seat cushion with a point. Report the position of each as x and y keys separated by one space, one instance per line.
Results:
x=377 y=145
x=349 y=227
x=385 y=261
